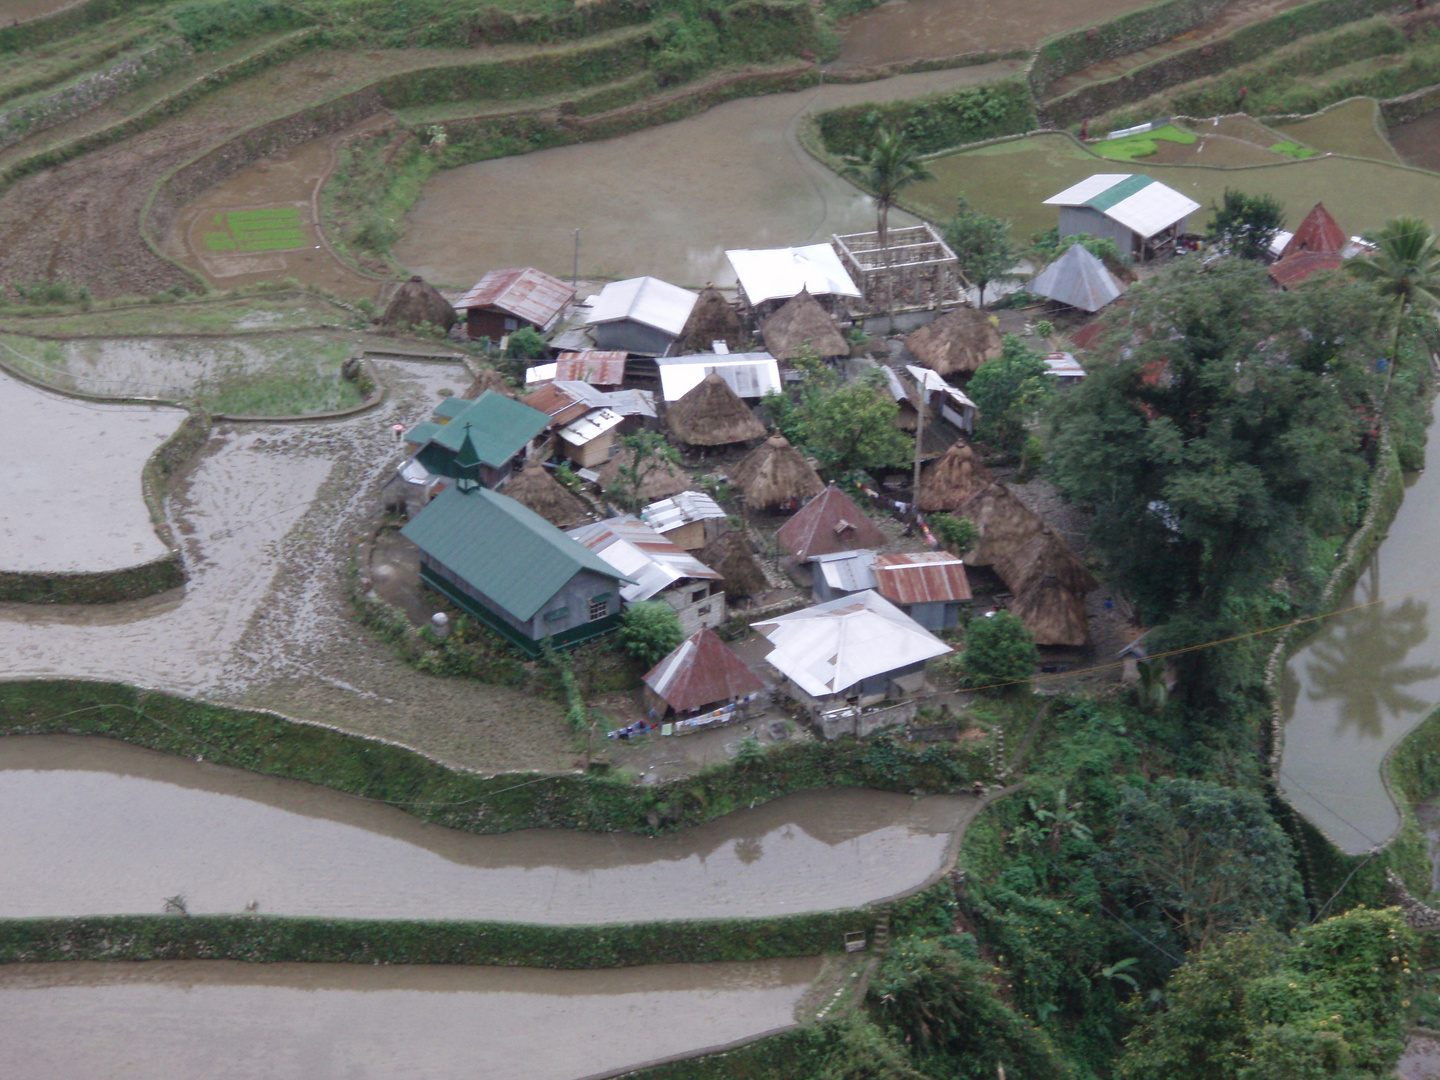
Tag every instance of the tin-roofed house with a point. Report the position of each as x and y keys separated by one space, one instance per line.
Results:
x=641 y=315
x=605 y=370
x=514 y=571
x=1142 y=215
x=487 y=436
x=657 y=570
x=503 y=301
x=702 y=674
x=689 y=520
x=750 y=375
x=828 y=523
x=768 y=277
x=929 y=586
x=842 y=573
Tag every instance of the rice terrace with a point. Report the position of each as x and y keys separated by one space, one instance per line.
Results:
x=683 y=539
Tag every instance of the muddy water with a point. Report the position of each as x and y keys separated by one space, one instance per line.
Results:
x=914 y=29
x=665 y=201
x=1366 y=679
x=1418 y=141
x=137 y=827
x=72 y=498
x=229 y=1021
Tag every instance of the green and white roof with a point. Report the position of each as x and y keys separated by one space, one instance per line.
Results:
x=1141 y=204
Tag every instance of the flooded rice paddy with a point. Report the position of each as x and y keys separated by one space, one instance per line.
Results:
x=72 y=493
x=1353 y=127
x=232 y=1021
x=1365 y=680
x=99 y=827
x=1418 y=141
x=665 y=201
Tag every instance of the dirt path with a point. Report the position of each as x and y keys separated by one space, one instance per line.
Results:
x=13 y=12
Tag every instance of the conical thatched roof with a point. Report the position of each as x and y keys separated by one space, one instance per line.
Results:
x=417 y=301
x=774 y=473
x=1044 y=554
x=957 y=342
x=1052 y=613
x=801 y=322
x=713 y=415
x=957 y=476
x=729 y=555
x=535 y=488
x=1002 y=521
x=489 y=379
x=660 y=482
x=828 y=523
x=712 y=319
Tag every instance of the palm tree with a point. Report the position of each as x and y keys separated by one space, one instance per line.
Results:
x=888 y=166
x=1406 y=269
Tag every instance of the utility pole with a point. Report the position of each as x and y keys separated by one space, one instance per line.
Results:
x=575 y=270
x=919 y=437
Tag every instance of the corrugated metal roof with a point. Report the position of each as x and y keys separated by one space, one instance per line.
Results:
x=498 y=427
x=780 y=273
x=1119 y=192
x=507 y=551
x=1298 y=266
x=680 y=510
x=1080 y=194
x=451 y=407
x=539 y=373
x=933 y=383
x=830 y=647
x=1318 y=232
x=848 y=571
x=702 y=671
x=637 y=551
x=590 y=426
x=750 y=375
x=923 y=577
x=1139 y=202
x=829 y=522
x=1063 y=365
x=422 y=432
x=524 y=292
x=1078 y=279
x=633 y=402
x=559 y=406
x=594 y=366
x=645 y=300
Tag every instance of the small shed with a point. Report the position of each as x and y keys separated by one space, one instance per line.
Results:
x=956 y=343
x=929 y=586
x=800 y=324
x=605 y=370
x=657 y=570
x=641 y=315
x=1079 y=280
x=484 y=438
x=689 y=520
x=514 y=571
x=700 y=675
x=857 y=649
x=828 y=523
x=1318 y=244
x=1052 y=613
x=535 y=488
x=712 y=320
x=768 y=277
x=1140 y=214
x=1003 y=523
x=750 y=375
x=713 y=415
x=952 y=402
x=776 y=475
x=730 y=556
x=841 y=574
x=591 y=440
x=958 y=475
x=1064 y=368
x=416 y=303
x=505 y=300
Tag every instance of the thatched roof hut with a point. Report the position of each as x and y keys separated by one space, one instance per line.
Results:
x=957 y=342
x=712 y=319
x=415 y=302
x=799 y=323
x=775 y=473
x=535 y=488
x=1052 y=613
x=1044 y=554
x=661 y=481
x=957 y=476
x=730 y=556
x=713 y=415
x=1002 y=522
x=489 y=379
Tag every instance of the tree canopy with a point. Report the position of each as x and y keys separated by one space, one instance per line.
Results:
x=889 y=165
x=982 y=246
x=1007 y=391
x=999 y=649
x=650 y=631
x=1246 y=224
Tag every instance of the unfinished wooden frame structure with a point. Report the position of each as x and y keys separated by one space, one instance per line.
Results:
x=915 y=271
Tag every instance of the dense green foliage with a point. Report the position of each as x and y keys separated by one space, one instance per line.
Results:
x=958 y=534
x=650 y=631
x=527 y=343
x=1404 y=270
x=998 y=650
x=962 y=116
x=1047 y=246
x=885 y=167
x=212 y=24
x=643 y=452
x=982 y=246
x=847 y=428
x=1246 y=224
x=1007 y=391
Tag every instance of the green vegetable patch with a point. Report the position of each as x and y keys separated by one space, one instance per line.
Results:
x=276 y=228
x=1291 y=149
x=1142 y=144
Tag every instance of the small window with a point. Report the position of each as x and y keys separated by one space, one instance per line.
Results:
x=599 y=609
x=702 y=612
x=698 y=595
x=558 y=613
x=511 y=324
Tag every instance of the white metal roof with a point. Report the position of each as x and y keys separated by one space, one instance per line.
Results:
x=651 y=562
x=1151 y=209
x=932 y=382
x=830 y=647
x=680 y=510
x=780 y=273
x=750 y=375
x=1063 y=364
x=1278 y=244
x=847 y=571
x=540 y=373
x=1081 y=193
x=645 y=300
x=590 y=426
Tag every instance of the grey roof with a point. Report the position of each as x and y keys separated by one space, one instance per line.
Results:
x=750 y=375
x=505 y=550
x=847 y=571
x=644 y=557
x=681 y=509
x=645 y=300
x=1079 y=279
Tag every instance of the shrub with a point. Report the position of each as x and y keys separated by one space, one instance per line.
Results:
x=998 y=649
x=525 y=344
x=650 y=630
x=956 y=533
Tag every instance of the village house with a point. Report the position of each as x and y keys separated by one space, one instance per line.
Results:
x=775 y=476
x=802 y=326
x=514 y=571
x=641 y=315
x=828 y=523
x=656 y=569
x=770 y=276
x=1142 y=215
x=952 y=403
x=712 y=415
x=929 y=586
x=956 y=477
x=503 y=301
x=842 y=573
x=689 y=520
x=713 y=323
x=1318 y=244
x=587 y=421
x=1078 y=279
x=534 y=487
x=603 y=370
x=701 y=675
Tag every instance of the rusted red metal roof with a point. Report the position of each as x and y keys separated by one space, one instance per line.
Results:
x=702 y=671
x=925 y=577
x=593 y=366
x=1318 y=232
x=1293 y=269
x=524 y=292
x=828 y=523
x=556 y=404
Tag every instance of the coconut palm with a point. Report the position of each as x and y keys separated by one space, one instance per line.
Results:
x=888 y=166
x=1406 y=269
